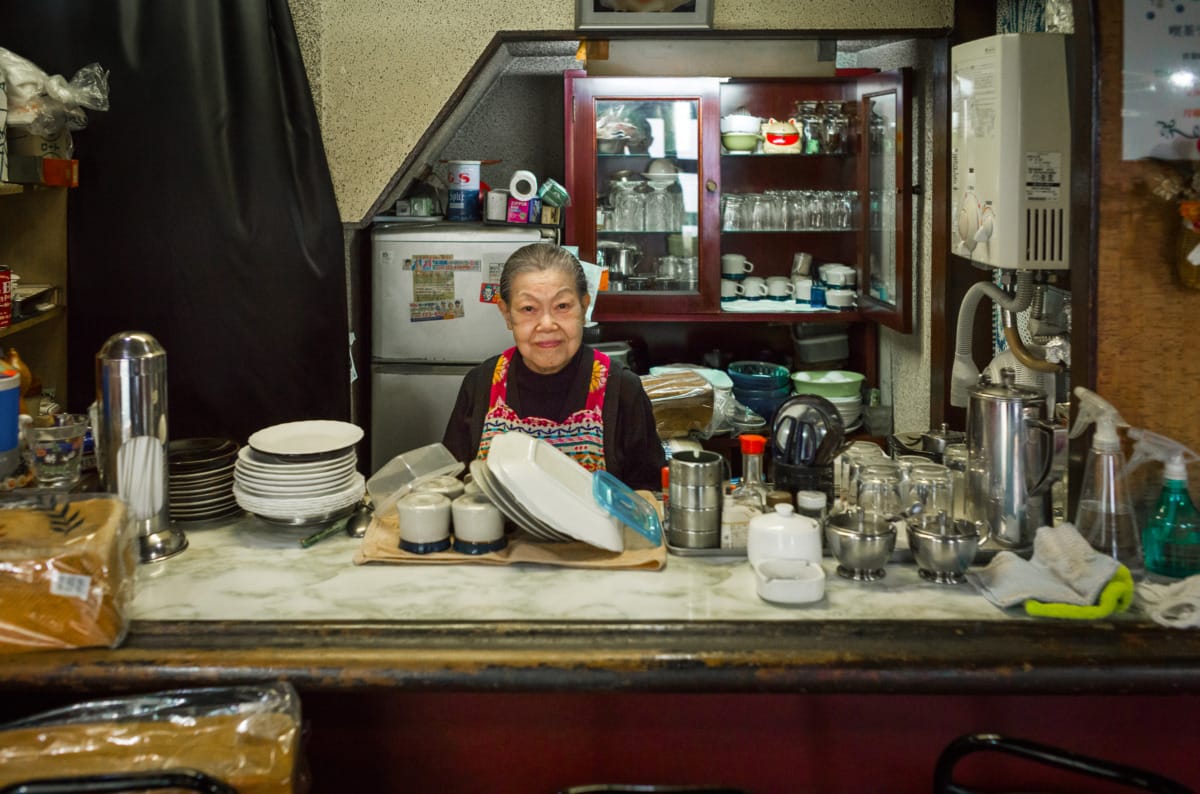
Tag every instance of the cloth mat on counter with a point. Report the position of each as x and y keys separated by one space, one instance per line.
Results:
x=381 y=544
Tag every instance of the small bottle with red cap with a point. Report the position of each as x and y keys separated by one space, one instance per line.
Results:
x=749 y=498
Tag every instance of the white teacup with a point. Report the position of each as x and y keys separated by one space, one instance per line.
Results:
x=478 y=525
x=424 y=522
x=735 y=265
x=802 y=289
x=450 y=487
x=779 y=288
x=755 y=287
x=731 y=290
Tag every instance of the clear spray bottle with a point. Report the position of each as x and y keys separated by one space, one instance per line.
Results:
x=1171 y=539
x=1105 y=514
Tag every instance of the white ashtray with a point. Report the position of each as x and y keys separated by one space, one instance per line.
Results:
x=784 y=581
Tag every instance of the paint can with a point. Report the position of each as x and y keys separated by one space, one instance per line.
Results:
x=462 y=179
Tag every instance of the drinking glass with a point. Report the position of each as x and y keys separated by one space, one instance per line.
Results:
x=629 y=211
x=931 y=486
x=57 y=445
x=816 y=218
x=954 y=456
x=841 y=213
x=878 y=489
x=660 y=212
x=733 y=212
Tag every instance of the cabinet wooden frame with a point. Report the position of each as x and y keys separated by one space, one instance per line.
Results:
x=721 y=172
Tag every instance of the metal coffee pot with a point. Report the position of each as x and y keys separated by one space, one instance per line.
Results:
x=1010 y=457
x=621 y=259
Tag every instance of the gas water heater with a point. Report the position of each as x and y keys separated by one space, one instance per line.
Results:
x=1010 y=157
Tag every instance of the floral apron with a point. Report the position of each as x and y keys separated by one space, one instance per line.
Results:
x=580 y=435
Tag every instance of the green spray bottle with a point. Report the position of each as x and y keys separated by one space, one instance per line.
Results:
x=1105 y=516
x=1171 y=539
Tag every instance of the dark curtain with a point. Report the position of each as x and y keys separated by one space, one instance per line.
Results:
x=205 y=213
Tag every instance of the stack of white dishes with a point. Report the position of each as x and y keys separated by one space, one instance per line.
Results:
x=300 y=473
x=851 y=410
x=545 y=492
x=200 y=479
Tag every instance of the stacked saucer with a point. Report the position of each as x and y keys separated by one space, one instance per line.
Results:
x=200 y=479
x=300 y=473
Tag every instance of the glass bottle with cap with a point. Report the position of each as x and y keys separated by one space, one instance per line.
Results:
x=749 y=498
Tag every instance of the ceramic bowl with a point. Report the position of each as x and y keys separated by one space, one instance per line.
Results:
x=739 y=141
x=758 y=375
x=737 y=123
x=834 y=384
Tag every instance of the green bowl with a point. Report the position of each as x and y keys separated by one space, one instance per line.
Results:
x=828 y=382
x=739 y=141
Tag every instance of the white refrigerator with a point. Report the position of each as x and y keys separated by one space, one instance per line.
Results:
x=433 y=317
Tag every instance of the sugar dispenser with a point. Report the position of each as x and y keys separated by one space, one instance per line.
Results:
x=130 y=425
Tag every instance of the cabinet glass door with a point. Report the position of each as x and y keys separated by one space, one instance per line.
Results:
x=886 y=217
x=648 y=194
x=638 y=151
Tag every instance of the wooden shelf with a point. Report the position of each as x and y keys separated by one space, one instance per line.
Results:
x=23 y=325
x=600 y=315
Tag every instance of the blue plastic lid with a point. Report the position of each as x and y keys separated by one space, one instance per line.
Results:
x=620 y=501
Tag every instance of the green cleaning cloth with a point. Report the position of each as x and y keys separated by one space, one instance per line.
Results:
x=1116 y=596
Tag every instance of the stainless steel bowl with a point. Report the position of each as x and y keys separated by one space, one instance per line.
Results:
x=943 y=552
x=862 y=543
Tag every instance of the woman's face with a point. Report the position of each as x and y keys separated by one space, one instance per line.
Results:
x=546 y=318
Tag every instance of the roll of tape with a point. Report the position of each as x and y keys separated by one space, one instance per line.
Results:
x=523 y=186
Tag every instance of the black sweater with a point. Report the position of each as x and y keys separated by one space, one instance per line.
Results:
x=632 y=450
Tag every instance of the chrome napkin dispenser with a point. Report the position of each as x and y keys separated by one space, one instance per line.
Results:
x=130 y=429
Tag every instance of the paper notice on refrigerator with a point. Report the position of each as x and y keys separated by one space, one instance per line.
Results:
x=433 y=296
x=441 y=263
x=489 y=289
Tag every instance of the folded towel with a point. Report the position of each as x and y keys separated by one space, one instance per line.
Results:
x=1065 y=578
x=1176 y=605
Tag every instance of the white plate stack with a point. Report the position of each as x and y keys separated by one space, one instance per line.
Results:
x=545 y=492
x=300 y=473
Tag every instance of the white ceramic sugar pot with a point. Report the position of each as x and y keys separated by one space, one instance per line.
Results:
x=784 y=550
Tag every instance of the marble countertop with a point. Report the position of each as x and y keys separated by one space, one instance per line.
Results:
x=246 y=603
x=254 y=571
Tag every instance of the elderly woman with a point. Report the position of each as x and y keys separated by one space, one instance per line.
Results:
x=551 y=385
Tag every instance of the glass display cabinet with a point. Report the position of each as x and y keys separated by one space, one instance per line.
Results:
x=660 y=195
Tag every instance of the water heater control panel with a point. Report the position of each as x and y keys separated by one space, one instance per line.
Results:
x=1010 y=159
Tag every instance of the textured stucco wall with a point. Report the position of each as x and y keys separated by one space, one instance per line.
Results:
x=382 y=70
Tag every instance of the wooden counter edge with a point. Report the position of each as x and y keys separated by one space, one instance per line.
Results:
x=931 y=657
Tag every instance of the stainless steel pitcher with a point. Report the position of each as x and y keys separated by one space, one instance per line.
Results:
x=1010 y=454
x=130 y=427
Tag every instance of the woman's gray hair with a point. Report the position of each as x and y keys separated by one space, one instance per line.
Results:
x=540 y=257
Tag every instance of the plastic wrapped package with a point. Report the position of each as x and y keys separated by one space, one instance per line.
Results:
x=247 y=737
x=682 y=402
x=47 y=104
x=67 y=568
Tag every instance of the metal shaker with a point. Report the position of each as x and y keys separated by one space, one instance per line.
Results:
x=1010 y=455
x=130 y=427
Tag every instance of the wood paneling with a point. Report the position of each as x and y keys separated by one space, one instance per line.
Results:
x=1146 y=321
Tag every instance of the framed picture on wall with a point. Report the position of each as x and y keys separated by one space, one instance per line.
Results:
x=645 y=14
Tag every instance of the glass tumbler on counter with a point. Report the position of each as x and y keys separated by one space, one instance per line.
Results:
x=932 y=486
x=57 y=445
x=878 y=489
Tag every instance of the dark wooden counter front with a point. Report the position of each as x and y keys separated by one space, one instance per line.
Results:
x=836 y=657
